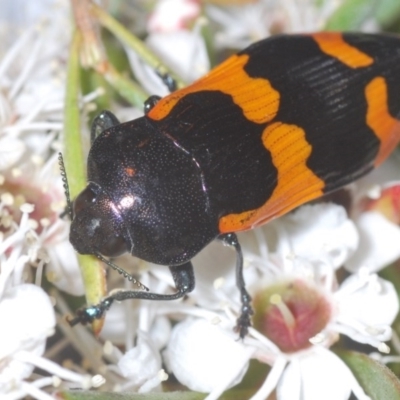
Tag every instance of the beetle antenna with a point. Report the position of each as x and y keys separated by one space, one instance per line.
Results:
x=122 y=272
x=65 y=185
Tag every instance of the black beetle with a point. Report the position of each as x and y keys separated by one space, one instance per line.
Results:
x=285 y=121
x=145 y=195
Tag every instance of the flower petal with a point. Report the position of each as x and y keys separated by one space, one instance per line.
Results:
x=11 y=151
x=142 y=362
x=379 y=243
x=30 y=320
x=64 y=270
x=374 y=303
x=184 y=52
x=172 y=15
x=322 y=377
x=222 y=362
x=289 y=386
x=318 y=230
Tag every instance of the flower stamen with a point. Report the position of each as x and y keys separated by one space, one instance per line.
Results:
x=276 y=300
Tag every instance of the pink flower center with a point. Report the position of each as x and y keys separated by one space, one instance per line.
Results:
x=291 y=313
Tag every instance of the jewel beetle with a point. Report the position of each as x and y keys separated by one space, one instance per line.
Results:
x=287 y=120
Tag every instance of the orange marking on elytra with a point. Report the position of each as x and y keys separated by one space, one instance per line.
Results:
x=296 y=184
x=255 y=96
x=333 y=44
x=385 y=127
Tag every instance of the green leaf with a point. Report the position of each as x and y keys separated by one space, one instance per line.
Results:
x=352 y=14
x=183 y=395
x=388 y=11
x=125 y=87
x=91 y=395
x=91 y=81
x=392 y=273
x=376 y=379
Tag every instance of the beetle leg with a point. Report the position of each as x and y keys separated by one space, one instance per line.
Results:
x=103 y=121
x=244 y=320
x=183 y=276
x=150 y=103
x=168 y=81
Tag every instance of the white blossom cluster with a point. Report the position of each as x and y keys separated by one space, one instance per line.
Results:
x=292 y=264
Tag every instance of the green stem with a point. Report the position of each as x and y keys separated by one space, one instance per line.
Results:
x=91 y=268
x=126 y=88
x=73 y=151
x=133 y=42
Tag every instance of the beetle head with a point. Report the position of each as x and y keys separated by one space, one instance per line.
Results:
x=97 y=225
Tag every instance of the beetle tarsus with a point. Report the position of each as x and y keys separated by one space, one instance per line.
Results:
x=168 y=81
x=244 y=321
x=87 y=315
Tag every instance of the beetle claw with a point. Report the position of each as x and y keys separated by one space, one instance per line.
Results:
x=244 y=322
x=87 y=315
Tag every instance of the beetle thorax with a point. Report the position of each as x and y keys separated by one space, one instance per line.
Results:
x=156 y=200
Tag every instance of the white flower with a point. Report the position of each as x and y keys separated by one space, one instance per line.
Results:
x=28 y=318
x=27 y=314
x=183 y=51
x=177 y=44
x=379 y=239
x=215 y=366
x=31 y=199
x=32 y=97
x=141 y=365
x=300 y=312
x=11 y=150
x=376 y=215
x=367 y=307
x=319 y=233
x=242 y=25
x=172 y=15
x=312 y=376
x=292 y=279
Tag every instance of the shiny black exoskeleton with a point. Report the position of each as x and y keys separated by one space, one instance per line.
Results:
x=146 y=196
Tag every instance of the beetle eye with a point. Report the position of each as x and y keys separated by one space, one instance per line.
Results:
x=84 y=199
x=114 y=247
